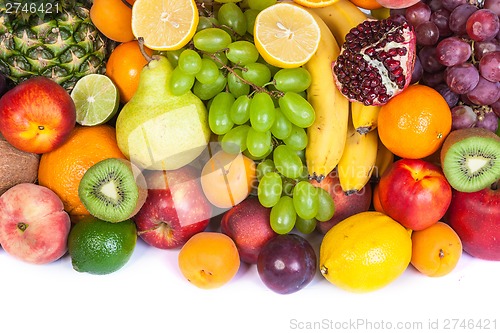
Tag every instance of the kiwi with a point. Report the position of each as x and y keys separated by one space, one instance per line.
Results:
x=470 y=159
x=113 y=190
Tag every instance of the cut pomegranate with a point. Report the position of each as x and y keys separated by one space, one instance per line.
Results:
x=376 y=61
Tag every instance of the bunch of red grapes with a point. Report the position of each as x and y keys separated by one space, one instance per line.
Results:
x=458 y=54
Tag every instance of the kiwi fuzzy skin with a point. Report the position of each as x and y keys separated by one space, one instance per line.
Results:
x=462 y=134
x=16 y=166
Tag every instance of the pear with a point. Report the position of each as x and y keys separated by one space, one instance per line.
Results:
x=158 y=130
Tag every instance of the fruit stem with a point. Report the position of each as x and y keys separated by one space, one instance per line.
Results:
x=323 y=269
x=22 y=226
x=127 y=4
x=146 y=56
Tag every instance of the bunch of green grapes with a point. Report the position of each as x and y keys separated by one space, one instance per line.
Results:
x=255 y=109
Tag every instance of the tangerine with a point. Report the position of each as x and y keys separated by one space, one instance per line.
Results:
x=367 y=4
x=414 y=123
x=62 y=169
x=124 y=68
x=436 y=250
x=113 y=18
x=209 y=259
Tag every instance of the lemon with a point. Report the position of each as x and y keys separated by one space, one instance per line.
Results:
x=365 y=252
x=100 y=247
x=164 y=24
x=96 y=99
x=286 y=35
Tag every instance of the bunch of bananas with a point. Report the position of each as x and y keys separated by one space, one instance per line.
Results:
x=344 y=134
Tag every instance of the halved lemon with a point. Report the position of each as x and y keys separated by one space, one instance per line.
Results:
x=286 y=35
x=315 y=3
x=164 y=24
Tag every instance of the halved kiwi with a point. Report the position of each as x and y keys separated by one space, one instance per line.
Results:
x=113 y=190
x=470 y=159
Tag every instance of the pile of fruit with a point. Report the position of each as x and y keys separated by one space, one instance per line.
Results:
x=231 y=131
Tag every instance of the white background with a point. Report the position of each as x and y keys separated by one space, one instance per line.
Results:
x=150 y=295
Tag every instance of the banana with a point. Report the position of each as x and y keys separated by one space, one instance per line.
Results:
x=364 y=117
x=384 y=160
x=358 y=160
x=327 y=135
x=341 y=17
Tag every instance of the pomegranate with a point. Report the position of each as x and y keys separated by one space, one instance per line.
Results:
x=376 y=61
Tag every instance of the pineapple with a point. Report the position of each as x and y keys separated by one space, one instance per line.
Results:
x=63 y=45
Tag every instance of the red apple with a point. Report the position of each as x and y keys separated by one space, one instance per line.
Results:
x=37 y=115
x=175 y=208
x=345 y=205
x=475 y=217
x=33 y=224
x=415 y=193
x=248 y=225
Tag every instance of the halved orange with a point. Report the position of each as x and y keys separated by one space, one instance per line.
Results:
x=286 y=35
x=164 y=24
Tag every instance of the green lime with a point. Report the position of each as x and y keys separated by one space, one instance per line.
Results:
x=100 y=247
x=96 y=99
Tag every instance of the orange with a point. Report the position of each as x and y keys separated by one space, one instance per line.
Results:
x=209 y=259
x=315 y=3
x=227 y=179
x=367 y=4
x=62 y=169
x=436 y=250
x=113 y=19
x=124 y=68
x=376 y=200
x=414 y=123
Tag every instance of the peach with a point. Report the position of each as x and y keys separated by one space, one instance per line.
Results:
x=33 y=224
x=415 y=193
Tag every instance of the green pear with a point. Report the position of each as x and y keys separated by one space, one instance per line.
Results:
x=157 y=130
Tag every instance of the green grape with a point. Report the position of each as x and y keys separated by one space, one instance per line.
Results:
x=288 y=185
x=264 y=167
x=283 y=216
x=235 y=141
x=209 y=71
x=292 y=79
x=287 y=162
x=206 y=22
x=297 y=140
x=173 y=56
x=242 y=52
x=258 y=142
x=305 y=226
x=297 y=109
x=305 y=199
x=251 y=14
x=236 y=86
x=282 y=127
x=180 y=82
x=240 y=110
x=257 y=73
x=269 y=189
x=218 y=115
x=258 y=158
x=211 y=40
x=262 y=112
x=189 y=62
x=231 y=15
x=219 y=58
x=302 y=155
x=326 y=205
x=209 y=90
x=260 y=4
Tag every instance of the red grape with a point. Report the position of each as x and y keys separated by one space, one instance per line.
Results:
x=496 y=107
x=489 y=66
x=418 y=13
x=462 y=78
x=429 y=59
x=485 y=92
x=432 y=79
x=488 y=120
x=452 y=4
x=440 y=18
x=417 y=71
x=427 y=33
x=453 y=51
x=482 y=25
x=458 y=18
x=493 y=5
x=481 y=48
x=462 y=116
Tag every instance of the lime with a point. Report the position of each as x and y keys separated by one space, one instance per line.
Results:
x=100 y=247
x=96 y=99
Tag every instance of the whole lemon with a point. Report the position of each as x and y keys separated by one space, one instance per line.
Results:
x=365 y=252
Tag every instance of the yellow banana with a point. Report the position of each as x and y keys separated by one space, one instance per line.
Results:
x=358 y=160
x=384 y=160
x=327 y=135
x=341 y=17
x=364 y=117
